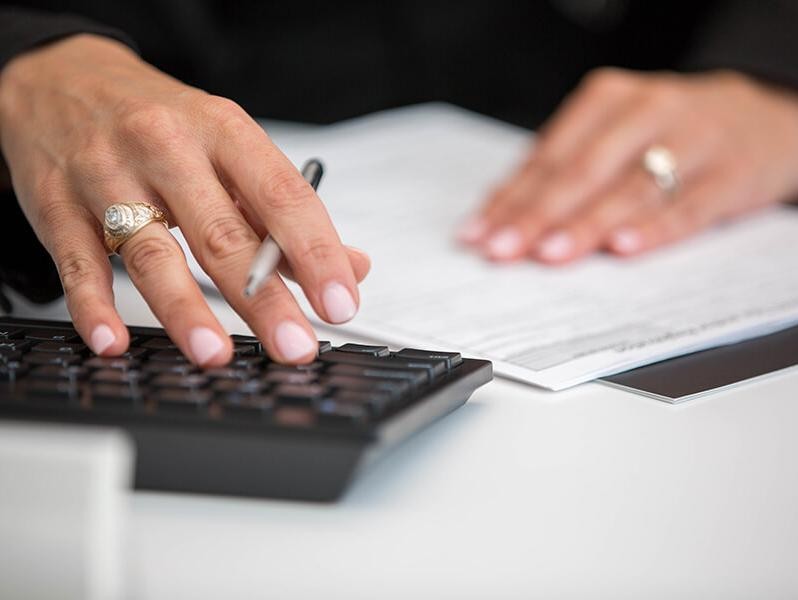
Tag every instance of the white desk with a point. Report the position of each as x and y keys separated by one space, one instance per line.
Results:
x=587 y=493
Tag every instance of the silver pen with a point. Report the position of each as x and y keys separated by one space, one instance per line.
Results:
x=268 y=256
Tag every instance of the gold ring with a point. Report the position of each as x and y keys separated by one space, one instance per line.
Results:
x=660 y=163
x=124 y=219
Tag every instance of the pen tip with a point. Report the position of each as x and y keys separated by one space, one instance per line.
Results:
x=248 y=291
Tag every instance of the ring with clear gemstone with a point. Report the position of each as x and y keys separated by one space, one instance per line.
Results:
x=122 y=220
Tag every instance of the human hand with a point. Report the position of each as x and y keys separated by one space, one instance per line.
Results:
x=582 y=188
x=84 y=123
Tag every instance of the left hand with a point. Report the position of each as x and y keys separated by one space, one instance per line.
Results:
x=734 y=139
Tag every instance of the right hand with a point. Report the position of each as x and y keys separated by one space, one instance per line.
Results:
x=84 y=123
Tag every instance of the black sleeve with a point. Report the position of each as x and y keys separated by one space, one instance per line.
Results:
x=756 y=37
x=23 y=29
x=24 y=264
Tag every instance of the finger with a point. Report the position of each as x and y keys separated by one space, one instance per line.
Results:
x=616 y=144
x=585 y=232
x=360 y=261
x=597 y=99
x=71 y=235
x=706 y=200
x=225 y=246
x=158 y=269
x=273 y=190
x=634 y=193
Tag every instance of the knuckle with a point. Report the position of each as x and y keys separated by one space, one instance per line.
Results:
x=663 y=96
x=147 y=255
x=607 y=80
x=228 y=114
x=584 y=168
x=52 y=213
x=316 y=251
x=284 y=190
x=224 y=237
x=150 y=124
x=77 y=273
x=94 y=162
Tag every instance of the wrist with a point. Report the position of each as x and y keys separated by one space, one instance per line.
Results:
x=64 y=64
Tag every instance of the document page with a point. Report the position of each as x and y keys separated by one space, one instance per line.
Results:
x=398 y=183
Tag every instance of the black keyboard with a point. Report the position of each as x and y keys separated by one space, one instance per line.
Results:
x=251 y=428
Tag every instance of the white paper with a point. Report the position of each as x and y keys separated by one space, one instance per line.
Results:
x=398 y=183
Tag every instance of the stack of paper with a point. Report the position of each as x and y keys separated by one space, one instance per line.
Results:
x=399 y=182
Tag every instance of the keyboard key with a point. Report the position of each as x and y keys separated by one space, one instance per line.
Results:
x=9 y=355
x=362 y=349
x=9 y=333
x=299 y=377
x=313 y=367
x=61 y=347
x=175 y=380
x=52 y=389
x=135 y=352
x=116 y=395
x=73 y=372
x=15 y=345
x=243 y=349
x=109 y=362
x=250 y=340
x=250 y=407
x=125 y=377
x=57 y=335
x=171 y=356
x=12 y=370
x=170 y=400
x=376 y=403
x=452 y=359
x=415 y=377
x=433 y=367
x=247 y=362
x=51 y=358
x=295 y=416
x=228 y=373
x=167 y=367
x=395 y=388
x=336 y=412
x=238 y=388
x=158 y=343
x=298 y=395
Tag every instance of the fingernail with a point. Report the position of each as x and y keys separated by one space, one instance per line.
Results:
x=626 y=241
x=507 y=243
x=205 y=344
x=556 y=246
x=293 y=342
x=472 y=230
x=102 y=338
x=359 y=251
x=338 y=303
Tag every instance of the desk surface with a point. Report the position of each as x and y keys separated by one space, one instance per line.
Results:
x=591 y=492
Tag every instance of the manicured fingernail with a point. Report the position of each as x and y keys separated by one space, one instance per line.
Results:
x=506 y=243
x=293 y=342
x=359 y=251
x=102 y=338
x=338 y=303
x=472 y=230
x=556 y=246
x=205 y=344
x=626 y=241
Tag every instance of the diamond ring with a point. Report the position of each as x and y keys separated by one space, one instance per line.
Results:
x=123 y=220
x=660 y=163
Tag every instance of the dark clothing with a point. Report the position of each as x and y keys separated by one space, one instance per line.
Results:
x=326 y=61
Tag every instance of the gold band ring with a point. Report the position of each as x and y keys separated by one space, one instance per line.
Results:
x=124 y=219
